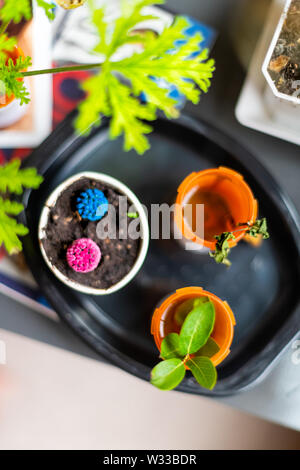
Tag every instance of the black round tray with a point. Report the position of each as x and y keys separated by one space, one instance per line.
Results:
x=261 y=286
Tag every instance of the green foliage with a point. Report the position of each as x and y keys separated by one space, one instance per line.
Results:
x=6 y=45
x=11 y=78
x=131 y=15
x=183 y=310
x=109 y=97
x=48 y=6
x=222 y=250
x=132 y=215
x=170 y=347
x=10 y=230
x=204 y=371
x=13 y=179
x=259 y=227
x=15 y=11
x=193 y=347
x=209 y=349
x=115 y=91
x=168 y=374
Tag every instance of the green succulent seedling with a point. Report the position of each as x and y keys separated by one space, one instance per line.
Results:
x=193 y=347
x=114 y=90
x=222 y=250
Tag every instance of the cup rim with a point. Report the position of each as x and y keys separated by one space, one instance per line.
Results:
x=50 y=202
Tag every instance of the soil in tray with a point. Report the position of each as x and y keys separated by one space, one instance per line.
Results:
x=65 y=225
x=284 y=66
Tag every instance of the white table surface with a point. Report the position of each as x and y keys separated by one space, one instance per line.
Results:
x=51 y=398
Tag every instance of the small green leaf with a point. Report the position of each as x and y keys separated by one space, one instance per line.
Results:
x=115 y=91
x=197 y=328
x=186 y=307
x=168 y=374
x=209 y=349
x=183 y=310
x=11 y=78
x=6 y=45
x=15 y=11
x=204 y=371
x=170 y=347
x=10 y=230
x=49 y=7
x=14 y=179
x=132 y=215
x=222 y=248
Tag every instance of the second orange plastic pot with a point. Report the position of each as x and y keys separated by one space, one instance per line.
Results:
x=217 y=184
x=163 y=324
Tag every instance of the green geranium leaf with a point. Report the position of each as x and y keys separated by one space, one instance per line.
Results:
x=10 y=230
x=197 y=328
x=15 y=11
x=209 y=349
x=168 y=374
x=204 y=371
x=14 y=179
x=186 y=307
x=170 y=347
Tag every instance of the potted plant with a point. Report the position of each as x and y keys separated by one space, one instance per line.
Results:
x=281 y=66
x=193 y=329
x=92 y=258
x=115 y=89
x=230 y=211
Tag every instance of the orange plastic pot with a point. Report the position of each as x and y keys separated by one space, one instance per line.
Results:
x=14 y=55
x=228 y=186
x=163 y=323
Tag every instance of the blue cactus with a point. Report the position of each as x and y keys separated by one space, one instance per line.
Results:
x=92 y=204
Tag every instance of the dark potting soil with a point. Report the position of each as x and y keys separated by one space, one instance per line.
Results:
x=65 y=225
x=284 y=66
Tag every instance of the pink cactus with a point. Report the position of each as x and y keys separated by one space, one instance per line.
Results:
x=83 y=255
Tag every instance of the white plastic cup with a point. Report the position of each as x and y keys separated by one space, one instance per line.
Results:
x=123 y=189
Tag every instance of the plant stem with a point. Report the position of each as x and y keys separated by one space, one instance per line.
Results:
x=72 y=68
x=240 y=229
x=3 y=27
